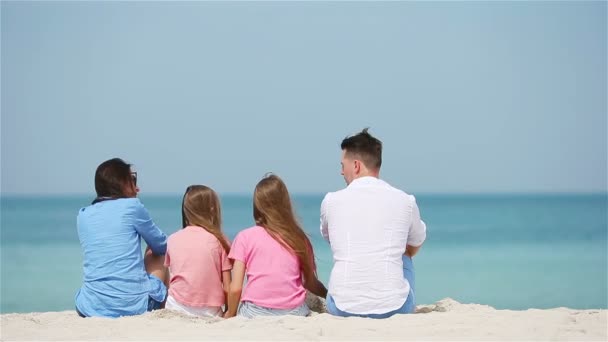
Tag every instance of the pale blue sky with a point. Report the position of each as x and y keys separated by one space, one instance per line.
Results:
x=466 y=96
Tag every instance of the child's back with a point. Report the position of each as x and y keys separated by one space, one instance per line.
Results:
x=277 y=257
x=274 y=277
x=196 y=261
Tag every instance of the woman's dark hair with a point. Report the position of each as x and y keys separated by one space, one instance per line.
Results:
x=111 y=177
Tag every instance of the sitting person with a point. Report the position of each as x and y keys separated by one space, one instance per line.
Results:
x=197 y=256
x=374 y=230
x=277 y=257
x=118 y=279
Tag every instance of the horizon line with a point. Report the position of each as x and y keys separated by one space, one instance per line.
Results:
x=317 y=193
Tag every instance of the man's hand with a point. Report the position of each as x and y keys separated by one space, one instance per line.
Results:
x=410 y=251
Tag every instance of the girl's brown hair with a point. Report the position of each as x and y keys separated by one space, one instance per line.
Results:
x=273 y=211
x=201 y=208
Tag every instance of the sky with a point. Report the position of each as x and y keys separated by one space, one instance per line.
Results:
x=466 y=96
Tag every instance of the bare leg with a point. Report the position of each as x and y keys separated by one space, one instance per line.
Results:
x=155 y=265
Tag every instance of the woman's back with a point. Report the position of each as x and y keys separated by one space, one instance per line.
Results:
x=115 y=279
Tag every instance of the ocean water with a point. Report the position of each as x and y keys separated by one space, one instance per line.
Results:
x=507 y=251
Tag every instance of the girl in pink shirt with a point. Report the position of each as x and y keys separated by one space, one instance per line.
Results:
x=197 y=257
x=277 y=257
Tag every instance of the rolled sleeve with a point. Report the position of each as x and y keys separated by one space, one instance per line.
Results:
x=417 y=233
x=226 y=264
x=238 y=251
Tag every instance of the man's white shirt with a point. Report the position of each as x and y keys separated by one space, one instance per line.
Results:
x=368 y=225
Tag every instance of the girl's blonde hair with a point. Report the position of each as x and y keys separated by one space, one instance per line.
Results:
x=201 y=208
x=273 y=211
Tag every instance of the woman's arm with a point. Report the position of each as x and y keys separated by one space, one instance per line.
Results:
x=236 y=287
x=154 y=237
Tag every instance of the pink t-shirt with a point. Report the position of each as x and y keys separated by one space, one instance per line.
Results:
x=196 y=260
x=274 y=279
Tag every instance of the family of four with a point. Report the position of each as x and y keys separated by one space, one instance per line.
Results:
x=373 y=230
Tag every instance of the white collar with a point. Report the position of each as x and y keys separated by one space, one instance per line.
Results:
x=366 y=180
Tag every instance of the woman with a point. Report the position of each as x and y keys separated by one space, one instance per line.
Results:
x=118 y=279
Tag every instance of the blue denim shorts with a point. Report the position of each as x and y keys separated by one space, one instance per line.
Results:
x=250 y=310
x=153 y=305
x=161 y=292
x=406 y=308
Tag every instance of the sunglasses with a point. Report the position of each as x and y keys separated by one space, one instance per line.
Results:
x=134 y=177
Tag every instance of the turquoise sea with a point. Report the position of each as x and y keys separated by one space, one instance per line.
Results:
x=507 y=251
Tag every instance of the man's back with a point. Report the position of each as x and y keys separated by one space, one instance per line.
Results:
x=368 y=225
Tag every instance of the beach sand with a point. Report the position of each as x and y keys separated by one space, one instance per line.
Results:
x=444 y=320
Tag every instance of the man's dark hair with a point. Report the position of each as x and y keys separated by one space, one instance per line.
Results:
x=111 y=177
x=364 y=147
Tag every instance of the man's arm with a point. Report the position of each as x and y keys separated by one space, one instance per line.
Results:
x=324 y=225
x=417 y=233
x=410 y=251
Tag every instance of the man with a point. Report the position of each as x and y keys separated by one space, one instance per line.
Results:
x=374 y=231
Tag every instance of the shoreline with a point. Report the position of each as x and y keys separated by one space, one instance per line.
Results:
x=444 y=320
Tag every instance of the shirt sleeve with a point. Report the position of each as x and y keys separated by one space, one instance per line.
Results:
x=154 y=237
x=324 y=224
x=238 y=251
x=417 y=233
x=226 y=264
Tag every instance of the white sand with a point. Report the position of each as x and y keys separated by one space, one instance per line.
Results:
x=445 y=320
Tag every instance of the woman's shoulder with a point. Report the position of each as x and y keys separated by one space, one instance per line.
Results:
x=113 y=205
x=133 y=206
x=130 y=202
x=125 y=203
